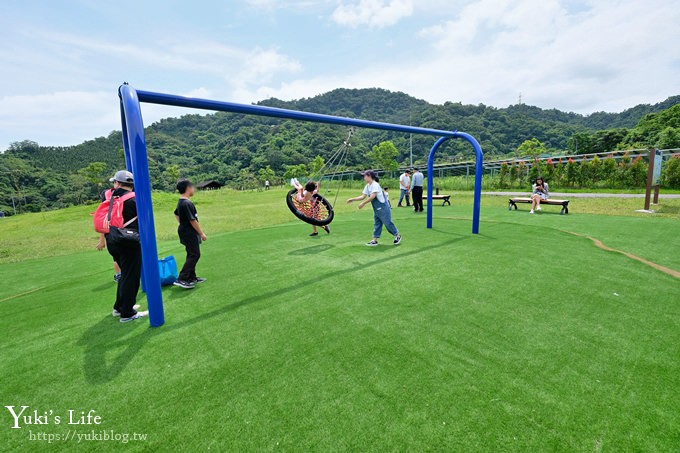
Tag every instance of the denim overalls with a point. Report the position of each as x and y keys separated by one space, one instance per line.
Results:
x=382 y=216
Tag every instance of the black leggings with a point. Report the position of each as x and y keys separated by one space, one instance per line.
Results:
x=129 y=258
x=417 y=193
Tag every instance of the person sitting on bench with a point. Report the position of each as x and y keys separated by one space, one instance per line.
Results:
x=538 y=194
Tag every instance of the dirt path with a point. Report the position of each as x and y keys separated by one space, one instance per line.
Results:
x=598 y=243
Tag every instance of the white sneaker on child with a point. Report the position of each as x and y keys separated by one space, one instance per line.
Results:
x=539 y=208
x=531 y=212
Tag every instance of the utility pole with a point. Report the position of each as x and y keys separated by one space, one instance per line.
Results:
x=410 y=123
x=520 y=98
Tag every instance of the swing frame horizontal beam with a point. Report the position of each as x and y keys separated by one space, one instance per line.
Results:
x=134 y=143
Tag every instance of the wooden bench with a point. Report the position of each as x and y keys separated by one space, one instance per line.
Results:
x=445 y=198
x=512 y=203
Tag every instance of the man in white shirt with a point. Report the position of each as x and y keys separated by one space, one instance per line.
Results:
x=405 y=186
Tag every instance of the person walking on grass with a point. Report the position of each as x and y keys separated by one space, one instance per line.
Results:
x=417 y=190
x=190 y=235
x=382 y=213
x=128 y=254
x=405 y=188
x=539 y=192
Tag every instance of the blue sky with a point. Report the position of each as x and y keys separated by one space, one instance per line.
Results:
x=61 y=61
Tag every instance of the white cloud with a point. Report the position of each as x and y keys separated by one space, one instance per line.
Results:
x=595 y=58
x=82 y=114
x=262 y=64
x=374 y=13
x=91 y=109
x=273 y=5
x=65 y=114
x=583 y=55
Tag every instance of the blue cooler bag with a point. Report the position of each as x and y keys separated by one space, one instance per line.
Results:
x=167 y=268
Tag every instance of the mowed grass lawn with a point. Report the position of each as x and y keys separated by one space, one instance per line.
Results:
x=523 y=338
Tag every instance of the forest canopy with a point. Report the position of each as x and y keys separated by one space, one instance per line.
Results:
x=240 y=150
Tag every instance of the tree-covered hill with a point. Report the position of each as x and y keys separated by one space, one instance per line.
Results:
x=239 y=150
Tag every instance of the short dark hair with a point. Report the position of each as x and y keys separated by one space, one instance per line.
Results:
x=310 y=186
x=183 y=185
x=415 y=168
x=386 y=188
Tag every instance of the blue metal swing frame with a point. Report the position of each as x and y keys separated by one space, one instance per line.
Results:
x=134 y=143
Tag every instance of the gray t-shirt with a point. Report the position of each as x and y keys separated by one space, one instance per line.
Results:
x=417 y=180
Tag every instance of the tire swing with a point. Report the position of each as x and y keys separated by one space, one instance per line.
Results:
x=319 y=211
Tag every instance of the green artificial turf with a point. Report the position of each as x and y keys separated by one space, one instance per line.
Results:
x=524 y=338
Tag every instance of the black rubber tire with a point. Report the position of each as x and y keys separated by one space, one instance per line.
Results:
x=307 y=219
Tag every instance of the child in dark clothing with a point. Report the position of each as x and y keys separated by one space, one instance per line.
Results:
x=190 y=235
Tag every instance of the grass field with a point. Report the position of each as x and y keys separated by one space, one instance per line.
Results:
x=523 y=338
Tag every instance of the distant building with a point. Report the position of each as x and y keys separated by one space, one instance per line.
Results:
x=209 y=185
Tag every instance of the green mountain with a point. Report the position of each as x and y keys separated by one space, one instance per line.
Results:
x=237 y=149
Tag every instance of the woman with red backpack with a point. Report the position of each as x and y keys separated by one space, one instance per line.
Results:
x=117 y=218
x=101 y=245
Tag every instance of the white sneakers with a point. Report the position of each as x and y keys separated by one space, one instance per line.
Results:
x=531 y=212
x=140 y=314
x=116 y=314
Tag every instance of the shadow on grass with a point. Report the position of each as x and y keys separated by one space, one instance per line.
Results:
x=665 y=209
x=105 y=337
x=315 y=250
x=175 y=293
x=543 y=212
x=103 y=286
x=102 y=340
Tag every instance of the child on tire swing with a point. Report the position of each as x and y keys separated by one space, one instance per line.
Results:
x=306 y=195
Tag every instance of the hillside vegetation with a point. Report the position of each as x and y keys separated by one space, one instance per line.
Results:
x=243 y=150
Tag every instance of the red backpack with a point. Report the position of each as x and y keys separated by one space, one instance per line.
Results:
x=110 y=213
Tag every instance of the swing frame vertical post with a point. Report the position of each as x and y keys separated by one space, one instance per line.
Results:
x=479 y=172
x=136 y=158
x=430 y=178
x=128 y=161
